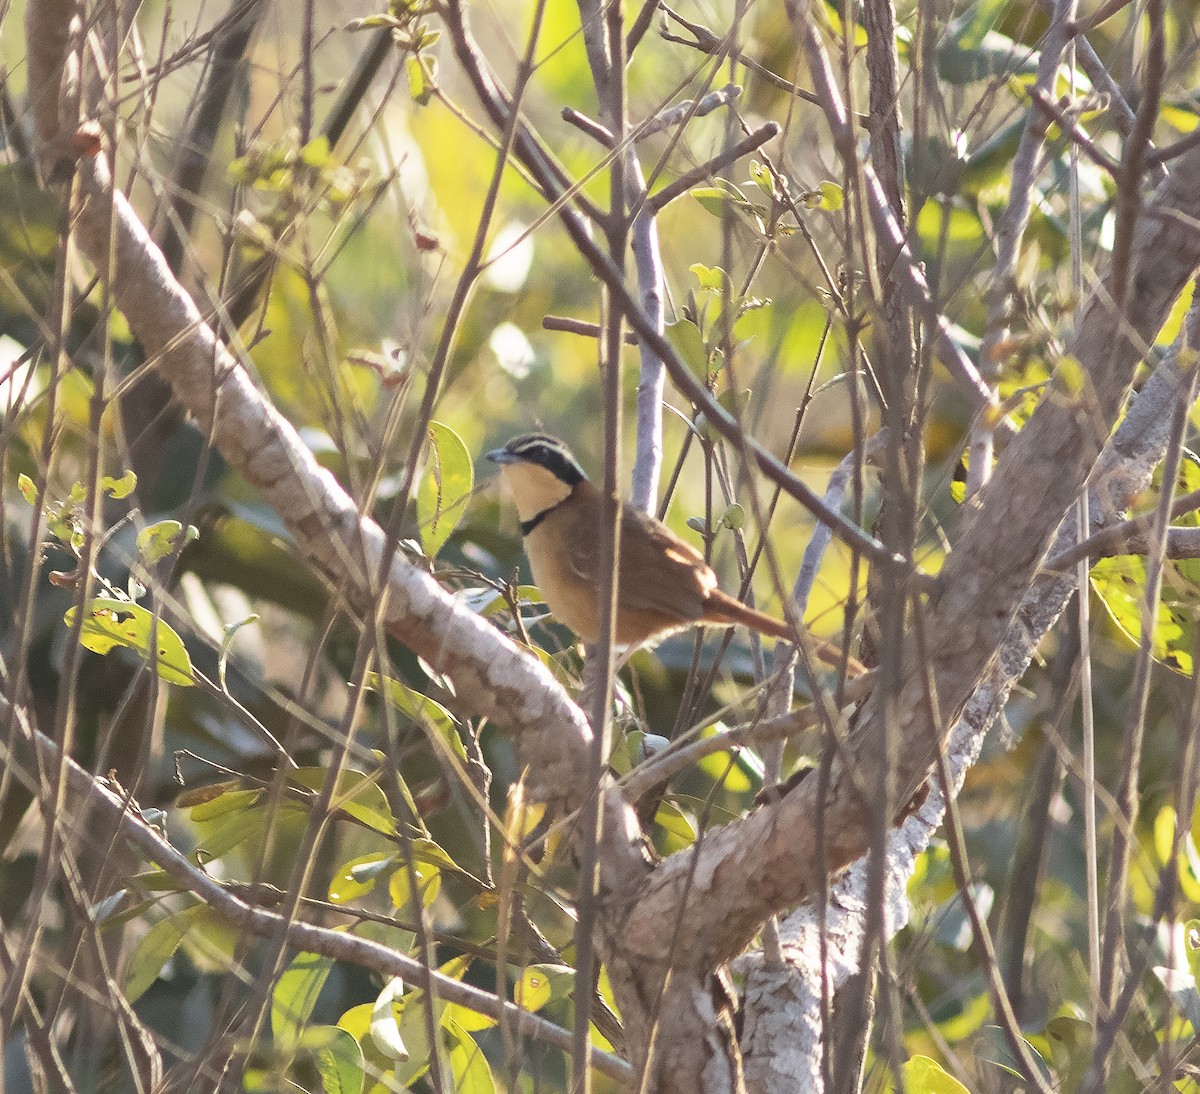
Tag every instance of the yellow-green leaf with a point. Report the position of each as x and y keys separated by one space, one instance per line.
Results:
x=420 y=708
x=158 y=540
x=925 y=1076
x=1120 y=583
x=357 y=877
x=28 y=489
x=468 y=1065
x=429 y=884
x=295 y=996
x=109 y=622
x=539 y=984
x=445 y=487
x=119 y=488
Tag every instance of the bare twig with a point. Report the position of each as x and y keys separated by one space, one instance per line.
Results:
x=92 y=793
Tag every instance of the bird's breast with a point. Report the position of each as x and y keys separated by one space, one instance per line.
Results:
x=572 y=598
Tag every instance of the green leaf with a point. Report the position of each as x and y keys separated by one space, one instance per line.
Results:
x=156 y=541
x=230 y=631
x=295 y=996
x=685 y=336
x=733 y=518
x=229 y=801
x=429 y=884
x=371 y=22
x=827 y=195
x=28 y=489
x=357 y=794
x=445 y=487
x=1120 y=583
x=962 y=59
x=470 y=1020
x=316 y=153
x=339 y=1062
x=422 y=78
x=711 y=278
x=420 y=709
x=1070 y=1041
x=716 y=199
x=960 y=226
x=358 y=877
x=735 y=403
x=970 y=28
x=1191 y=945
x=961 y=1025
x=109 y=622
x=223 y=835
x=158 y=945
x=540 y=984
x=119 y=488
x=680 y=832
x=760 y=175
x=467 y=1063
x=925 y=1076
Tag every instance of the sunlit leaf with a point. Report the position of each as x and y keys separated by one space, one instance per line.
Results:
x=973 y=1014
x=158 y=540
x=832 y=197
x=357 y=794
x=354 y=879
x=1120 y=583
x=295 y=996
x=422 y=78
x=445 y=487
x=229 y=801
x=539 y=984
x=925 y=1076
x=109 y=623
x=429 y=884
x=711 y=278
x=340 y=1063
x=680 y=832
x=119 y=488
x=468 y=1065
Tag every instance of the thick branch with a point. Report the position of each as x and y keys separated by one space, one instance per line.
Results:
x=86 y=792
x=769 y=861
x=492 y=676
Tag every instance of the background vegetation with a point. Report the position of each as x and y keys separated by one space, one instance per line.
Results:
x=381 y=257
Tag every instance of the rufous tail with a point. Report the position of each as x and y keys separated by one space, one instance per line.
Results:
x=723 y=610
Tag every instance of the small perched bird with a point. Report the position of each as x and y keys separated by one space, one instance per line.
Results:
x=664 y=584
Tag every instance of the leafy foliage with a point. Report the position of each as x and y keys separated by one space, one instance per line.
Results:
x=332 y=775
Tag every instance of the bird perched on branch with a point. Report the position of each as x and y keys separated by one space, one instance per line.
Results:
x=664 y=584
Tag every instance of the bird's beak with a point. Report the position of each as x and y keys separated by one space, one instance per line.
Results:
x=500 y=455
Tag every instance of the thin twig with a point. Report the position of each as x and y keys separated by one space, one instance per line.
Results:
x=567 y=325
x=339 y=945
x=686 y=181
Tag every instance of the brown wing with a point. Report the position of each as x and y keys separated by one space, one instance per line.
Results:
x=660 y=573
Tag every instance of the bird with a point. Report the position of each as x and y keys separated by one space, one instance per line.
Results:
x=664 y=584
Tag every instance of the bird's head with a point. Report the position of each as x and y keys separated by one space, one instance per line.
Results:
x=539 y=472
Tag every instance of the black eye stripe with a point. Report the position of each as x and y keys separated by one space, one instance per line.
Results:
x=550 y=453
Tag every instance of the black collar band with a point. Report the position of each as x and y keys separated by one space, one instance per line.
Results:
x=529 y=525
